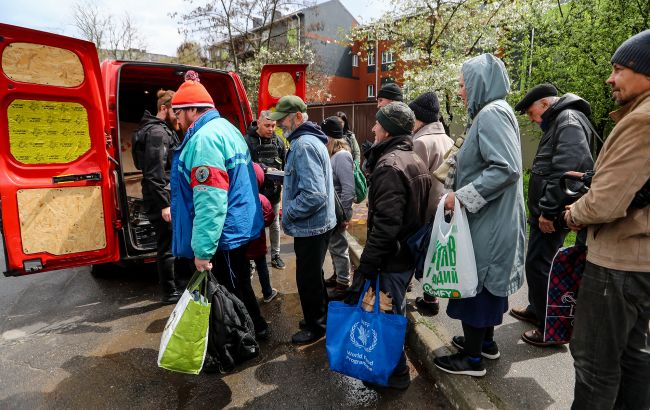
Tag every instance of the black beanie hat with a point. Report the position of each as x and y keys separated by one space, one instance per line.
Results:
x=396 y=118
x=390 y=91
x=426 y=107
x=536 y=93
x=332 y=127
x=634 y=53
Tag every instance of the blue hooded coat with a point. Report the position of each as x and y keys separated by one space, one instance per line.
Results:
x=488 y=178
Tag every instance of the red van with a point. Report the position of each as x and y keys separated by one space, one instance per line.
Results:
x=69 y=192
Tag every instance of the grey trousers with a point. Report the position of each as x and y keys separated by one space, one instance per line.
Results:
x=338 y=248
x=274 y=231
x=611 y=340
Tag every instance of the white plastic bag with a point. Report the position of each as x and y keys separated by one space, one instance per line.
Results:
x=450 y=267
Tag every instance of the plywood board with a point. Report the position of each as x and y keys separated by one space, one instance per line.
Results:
x=39 y=64
x=61 y=221
x=281 y=84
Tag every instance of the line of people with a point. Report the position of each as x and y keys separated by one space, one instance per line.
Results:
x=215 y=212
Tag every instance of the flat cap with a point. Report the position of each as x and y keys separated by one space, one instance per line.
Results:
x=536 y=93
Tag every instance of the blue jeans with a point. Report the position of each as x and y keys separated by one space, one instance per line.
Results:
x=263 y=275
x=611 y=340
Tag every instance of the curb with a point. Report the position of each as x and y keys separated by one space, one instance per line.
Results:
x=462 y=392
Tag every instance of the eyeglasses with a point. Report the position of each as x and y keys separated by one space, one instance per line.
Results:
x=178 y=112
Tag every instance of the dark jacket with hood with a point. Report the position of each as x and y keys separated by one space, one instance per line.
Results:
x=308 y=195
x=269 y=153
x=397 y=204
x=159 y=143
x=563 y=147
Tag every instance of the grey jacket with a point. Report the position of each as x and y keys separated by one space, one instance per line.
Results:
x=489 y=178
x=343 y=174
x=431 y=143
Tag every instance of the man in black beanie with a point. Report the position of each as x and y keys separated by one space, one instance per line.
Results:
x=397 y=203
x=564 y=146
x=431 y=143
x=611 y=335
x=388 y=93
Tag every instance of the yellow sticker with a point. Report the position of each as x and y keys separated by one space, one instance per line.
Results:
x=47 y=132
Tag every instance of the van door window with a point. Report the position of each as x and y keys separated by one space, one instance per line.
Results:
x=41 y=64
x=281 y=84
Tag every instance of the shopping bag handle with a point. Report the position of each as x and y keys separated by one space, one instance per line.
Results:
x=366 y=286
x=199 y=281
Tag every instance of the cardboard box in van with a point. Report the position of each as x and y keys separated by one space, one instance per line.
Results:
x=70 y=194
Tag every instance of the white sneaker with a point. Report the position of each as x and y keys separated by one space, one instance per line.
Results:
x=274 y=293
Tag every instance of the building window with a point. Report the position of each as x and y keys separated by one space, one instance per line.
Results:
x=387 y=57
x=371 y=91
x=355 y=60
x=371 y=57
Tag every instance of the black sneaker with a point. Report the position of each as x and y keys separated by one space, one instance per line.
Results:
x=277 y=262
x=427 y=308
x=171 y=298
x=400 y=381
x=460 y=363
x=491 y=351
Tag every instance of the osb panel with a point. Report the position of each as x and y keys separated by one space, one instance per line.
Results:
x=61 y=221
x=281 y=84
x=47 y=132
x=39 y=64
x=127 y=129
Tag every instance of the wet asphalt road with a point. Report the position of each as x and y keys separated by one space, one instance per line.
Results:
x=69 y=339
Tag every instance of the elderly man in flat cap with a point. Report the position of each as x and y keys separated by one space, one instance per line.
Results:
x=564 y=147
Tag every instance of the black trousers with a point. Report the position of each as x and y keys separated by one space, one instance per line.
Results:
x=164 y=258
x=310 y=256
x=232 y=270
x=542 y=247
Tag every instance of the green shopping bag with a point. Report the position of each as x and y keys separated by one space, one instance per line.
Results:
x=185 y=338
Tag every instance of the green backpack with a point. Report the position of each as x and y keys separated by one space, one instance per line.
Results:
x=360 y=185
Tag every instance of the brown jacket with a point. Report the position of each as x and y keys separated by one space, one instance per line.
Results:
x=619 y=237
x=431 y=143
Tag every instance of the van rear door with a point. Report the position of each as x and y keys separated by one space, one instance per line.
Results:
x=56 y=180
x=278 y=80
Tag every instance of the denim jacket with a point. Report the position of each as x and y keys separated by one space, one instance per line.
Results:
x=308 y=195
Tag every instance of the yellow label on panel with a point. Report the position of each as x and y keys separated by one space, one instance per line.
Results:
x=47 y=132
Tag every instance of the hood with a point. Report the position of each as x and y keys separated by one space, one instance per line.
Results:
x=308 y=128
x=486 y=80
x=567 y=102
x=150 y=119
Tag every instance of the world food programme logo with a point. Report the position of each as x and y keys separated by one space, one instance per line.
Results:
x=202 y=174
x=362 y=337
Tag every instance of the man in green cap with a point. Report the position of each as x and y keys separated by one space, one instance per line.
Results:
x=308 y=210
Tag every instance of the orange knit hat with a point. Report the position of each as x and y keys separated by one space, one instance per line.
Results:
x=192 y=93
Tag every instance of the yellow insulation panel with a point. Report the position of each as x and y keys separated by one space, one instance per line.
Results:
x=47 y=132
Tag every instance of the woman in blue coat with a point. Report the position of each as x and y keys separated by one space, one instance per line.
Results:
x=487 y=180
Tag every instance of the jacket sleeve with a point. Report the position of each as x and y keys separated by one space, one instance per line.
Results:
x=498 y=145
x=345 y=172
x=354 y=146
x=389 y=203
x=311 y=191
x=420 y=148
x=571 y=153
x=156 y=151
x=210 y=196
x=282 y=151
x=267 y=210
x=621 y=170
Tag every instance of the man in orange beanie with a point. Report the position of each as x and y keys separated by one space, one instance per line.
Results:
x=214 y=195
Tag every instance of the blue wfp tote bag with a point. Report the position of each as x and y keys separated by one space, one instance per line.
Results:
x=364 y=345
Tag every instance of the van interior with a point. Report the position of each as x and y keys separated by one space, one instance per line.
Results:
x=138 y=84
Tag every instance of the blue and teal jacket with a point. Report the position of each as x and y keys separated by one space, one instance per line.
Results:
x=214 y=190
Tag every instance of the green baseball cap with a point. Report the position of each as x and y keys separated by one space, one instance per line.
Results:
x=288 y=104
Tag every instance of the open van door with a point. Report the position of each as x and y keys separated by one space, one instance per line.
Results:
x=278 y=80
x=57 y=203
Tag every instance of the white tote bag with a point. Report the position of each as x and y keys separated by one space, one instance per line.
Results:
x=450 y=267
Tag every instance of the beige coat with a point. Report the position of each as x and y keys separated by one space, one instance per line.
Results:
x=619 y=238
x=431 y=143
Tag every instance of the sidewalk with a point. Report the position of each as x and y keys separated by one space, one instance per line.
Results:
x=523 y=377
